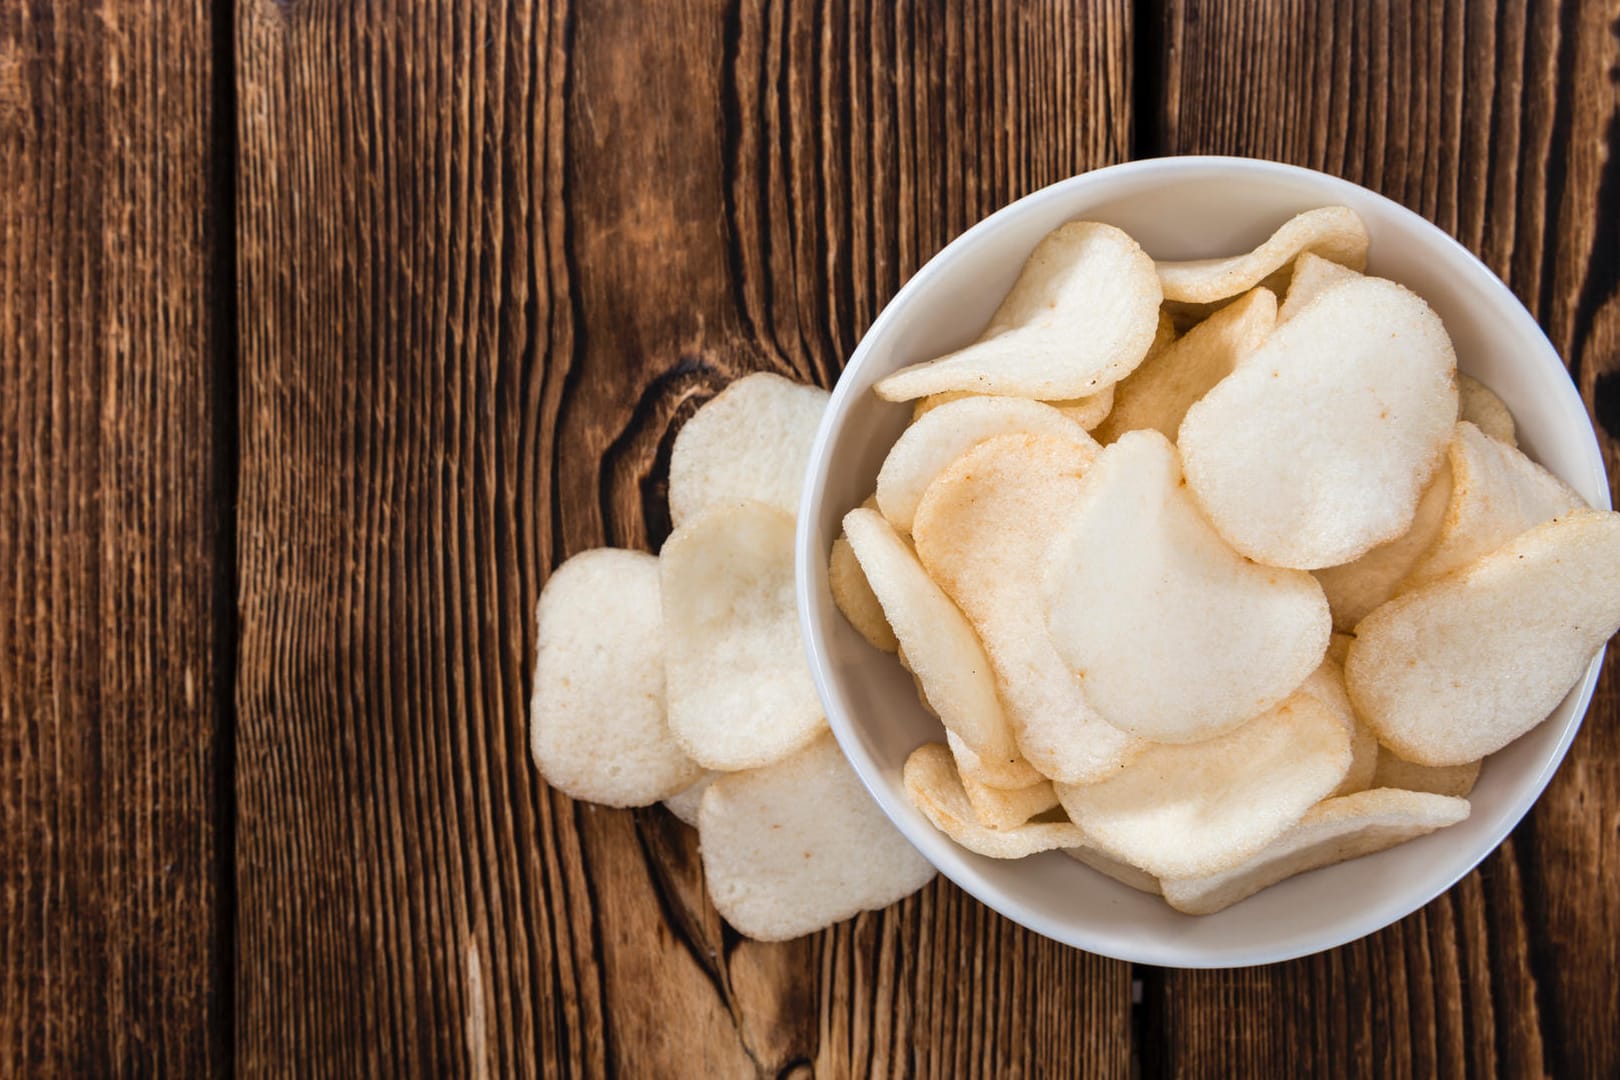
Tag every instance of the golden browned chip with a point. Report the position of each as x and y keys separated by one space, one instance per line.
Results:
x=934 y=787
x=1392 y=772
x=1481 y=407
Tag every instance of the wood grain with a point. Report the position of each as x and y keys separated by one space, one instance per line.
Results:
x=489 y=256
x=1500 y=124
x=344 y=352
x=114 y=633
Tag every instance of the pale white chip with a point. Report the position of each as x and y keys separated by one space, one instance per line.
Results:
x=1081 y=315
x=1481 y=407
x=1359 y=586
x=1393 y=772
x=1313 y=276
x=933 y=786
x=1181 y=811
x=1008 y=776
x=1088 y=412
x=1336 y=831
x=1159 y=393
x=799 y=845
x=1174 y=636
x=1333 y=232
x=740 y=692
x=946 y=433
x=1317 y=448
x=752 y=441
x=597 y=723
x=1122 y=872
x=1459 y=668
x=936 y=640
x=855 y=598
x=925 y=405
x=1496 y=494
x=1006 y=808
x=684 y=803
x=1326 y=684
x=981 y=533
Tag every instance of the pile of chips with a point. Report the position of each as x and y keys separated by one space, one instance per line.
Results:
x=1206 y=589
x=682 y=678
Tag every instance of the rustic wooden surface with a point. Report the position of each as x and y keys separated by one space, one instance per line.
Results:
x=326 y=330
x=115 y=565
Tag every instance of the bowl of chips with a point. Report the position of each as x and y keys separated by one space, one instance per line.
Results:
x=1420 y=561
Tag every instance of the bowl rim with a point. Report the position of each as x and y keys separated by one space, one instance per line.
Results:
x=942 y=852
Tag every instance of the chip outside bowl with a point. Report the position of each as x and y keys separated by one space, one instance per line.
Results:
x=1178 y=208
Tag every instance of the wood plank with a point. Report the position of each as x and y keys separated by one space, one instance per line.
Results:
x=114 y=385
x=491 y=254
x=1494 y=121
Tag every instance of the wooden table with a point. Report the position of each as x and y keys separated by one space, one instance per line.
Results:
x=328 y=328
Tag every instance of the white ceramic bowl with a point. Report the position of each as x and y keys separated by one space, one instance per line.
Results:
x=1178 y=208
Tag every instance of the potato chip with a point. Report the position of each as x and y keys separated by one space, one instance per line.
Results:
x=1006 y=808
x=1313 y=276
x=1496 y=494
x=597 y=725
x=685 y=802
x=981 y=532
x=1158 y=394
x=855 y=598
x=1459 y=668
x=752 y=441
x=1481 y=407
x=1122 y=872
x=1081 y=315
x=934 y=788
x=740 y=692
x=939 y=645
x=1181 y=811
x=799 y=845
x=1333 y=232
x=1359 y=586
x=1326 y=684
x=1393 y=772
x=1174 y=636
x=1317 y=448
x=1336 y=831
x=926 y=447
